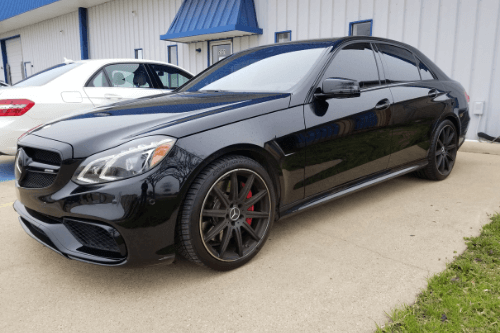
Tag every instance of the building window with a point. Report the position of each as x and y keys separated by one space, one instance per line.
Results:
x=172 y=55
x=361 y=28
x=283 y=36
x=139 y=54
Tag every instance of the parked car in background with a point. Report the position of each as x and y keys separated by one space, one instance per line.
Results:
x=265 y=133
x=77 y=86
x=3 y=84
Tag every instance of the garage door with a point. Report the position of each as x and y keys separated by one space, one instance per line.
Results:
x=2 y=76
x=15 y=59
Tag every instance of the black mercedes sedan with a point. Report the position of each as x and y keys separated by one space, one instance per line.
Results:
x=263 y=134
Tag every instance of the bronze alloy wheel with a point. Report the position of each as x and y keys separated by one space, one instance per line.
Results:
x=235 y=215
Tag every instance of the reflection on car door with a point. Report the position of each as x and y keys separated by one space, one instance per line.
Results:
x=348 y=138
x=118 y=82
x=417 y=104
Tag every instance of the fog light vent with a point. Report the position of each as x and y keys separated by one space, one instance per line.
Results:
x=93 y=236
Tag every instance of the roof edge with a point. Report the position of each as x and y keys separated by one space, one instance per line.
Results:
x=227 y=28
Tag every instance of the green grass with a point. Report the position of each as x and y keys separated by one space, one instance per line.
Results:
x=463 y=298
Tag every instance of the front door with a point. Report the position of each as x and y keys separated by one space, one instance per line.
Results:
x=219 y=50
x=119 y=82
x=348 y=138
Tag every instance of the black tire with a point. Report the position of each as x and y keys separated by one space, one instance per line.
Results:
x=206 y=234
x=442 y=154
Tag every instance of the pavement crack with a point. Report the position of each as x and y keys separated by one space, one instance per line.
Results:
x=378 y=253
x=383 y=256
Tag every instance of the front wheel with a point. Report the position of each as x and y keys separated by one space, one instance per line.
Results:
x=443 y=152
x=227 y=214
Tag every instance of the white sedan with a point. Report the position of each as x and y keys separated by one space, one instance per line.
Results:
x=77 y=86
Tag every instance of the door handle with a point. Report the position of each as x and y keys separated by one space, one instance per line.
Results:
x=433 y=93
x=110 y=96
x=383 y=104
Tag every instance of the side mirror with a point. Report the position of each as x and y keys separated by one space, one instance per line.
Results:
x=339 y=87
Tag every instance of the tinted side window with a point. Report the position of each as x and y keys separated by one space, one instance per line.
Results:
x=170 y=77
x=355 y=62
x=401 y=65
x=425 y=72
x=128 y=76
x=99 y=80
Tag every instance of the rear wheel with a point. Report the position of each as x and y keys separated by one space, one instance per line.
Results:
x=227 y=214
x=442 y=154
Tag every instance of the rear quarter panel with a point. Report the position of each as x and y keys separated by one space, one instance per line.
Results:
x=459 y=107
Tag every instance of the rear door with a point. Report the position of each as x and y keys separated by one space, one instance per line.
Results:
x=417 y=103
x=119 y=82
x=348 y=138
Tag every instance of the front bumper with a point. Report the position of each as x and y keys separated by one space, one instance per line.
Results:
x=54 y=234
x=139 y=213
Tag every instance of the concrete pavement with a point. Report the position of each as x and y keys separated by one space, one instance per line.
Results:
x=337 y=268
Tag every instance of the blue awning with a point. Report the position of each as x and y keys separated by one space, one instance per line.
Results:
x=199 y=20
x=10 y=9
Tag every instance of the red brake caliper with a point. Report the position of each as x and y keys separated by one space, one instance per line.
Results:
x=249 y=220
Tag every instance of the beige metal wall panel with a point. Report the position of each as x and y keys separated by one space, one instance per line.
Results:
x=45 y=44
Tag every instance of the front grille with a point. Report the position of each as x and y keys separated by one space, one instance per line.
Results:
x=92 y=236
x=39 y=178
x=43 y=156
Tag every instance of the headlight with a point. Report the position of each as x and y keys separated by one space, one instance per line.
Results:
x=125 y=161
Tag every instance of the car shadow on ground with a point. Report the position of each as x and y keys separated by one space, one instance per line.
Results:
x=182 y=273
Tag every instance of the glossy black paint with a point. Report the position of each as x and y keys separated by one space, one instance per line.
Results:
x=315 y=148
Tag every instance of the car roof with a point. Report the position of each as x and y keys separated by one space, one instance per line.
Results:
x=339 y=41
x=336 y=39
x=332 y=41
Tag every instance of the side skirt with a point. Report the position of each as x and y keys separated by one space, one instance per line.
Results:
x=344 y=190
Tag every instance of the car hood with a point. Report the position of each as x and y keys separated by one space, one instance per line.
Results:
x=177 y=115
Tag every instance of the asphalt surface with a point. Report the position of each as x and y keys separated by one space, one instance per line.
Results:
x=337 y=268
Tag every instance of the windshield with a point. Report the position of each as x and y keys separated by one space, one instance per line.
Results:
x=277 y=68
x=44 y=77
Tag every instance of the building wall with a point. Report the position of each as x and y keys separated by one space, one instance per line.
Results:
x=116 y=28
x=461 y=36
x=44 y=45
